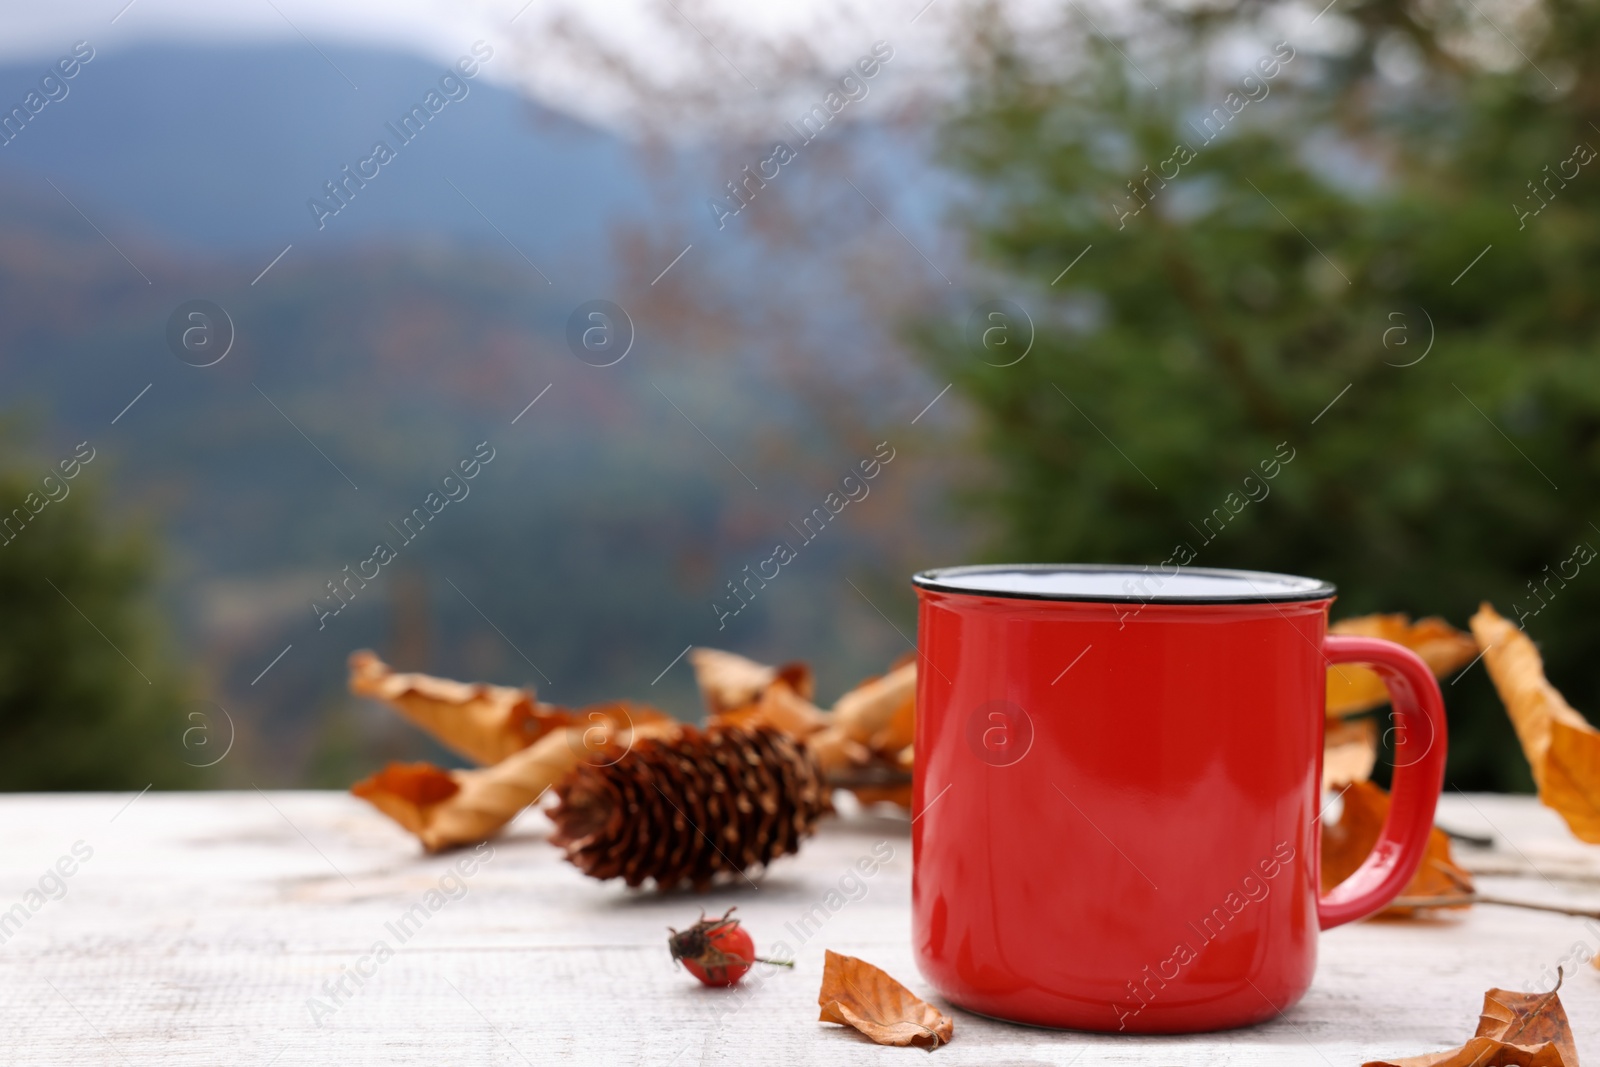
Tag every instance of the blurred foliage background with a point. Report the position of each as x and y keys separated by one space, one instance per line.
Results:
x=70 y=718
x=1402 y=226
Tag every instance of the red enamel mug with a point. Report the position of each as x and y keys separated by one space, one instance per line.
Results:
x=1118 y=791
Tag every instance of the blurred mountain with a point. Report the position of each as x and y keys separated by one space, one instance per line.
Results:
x=379 y=354
x=220 y=148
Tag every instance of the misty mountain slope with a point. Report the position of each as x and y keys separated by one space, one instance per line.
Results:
x=581 y=558
x=221 y=148
x=409 y=335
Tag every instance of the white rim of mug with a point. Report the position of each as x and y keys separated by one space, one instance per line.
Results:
x=935 y=581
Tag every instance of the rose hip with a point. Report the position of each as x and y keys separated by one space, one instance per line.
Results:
x=717 y=951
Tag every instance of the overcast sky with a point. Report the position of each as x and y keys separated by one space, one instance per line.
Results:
x=650 y=33
x=32 y=29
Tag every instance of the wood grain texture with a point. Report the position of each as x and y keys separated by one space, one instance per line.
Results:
x=203 y=924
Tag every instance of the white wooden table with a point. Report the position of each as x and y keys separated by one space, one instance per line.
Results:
x=202 y=925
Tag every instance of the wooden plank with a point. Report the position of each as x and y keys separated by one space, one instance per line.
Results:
x=203 y=925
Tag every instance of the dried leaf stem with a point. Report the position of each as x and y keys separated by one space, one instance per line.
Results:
x=1487 y=898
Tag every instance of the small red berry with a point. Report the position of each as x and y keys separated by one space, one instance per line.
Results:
x=717 y=951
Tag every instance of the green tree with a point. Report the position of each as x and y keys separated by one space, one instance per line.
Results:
x=86 y=699
x=1361 y=198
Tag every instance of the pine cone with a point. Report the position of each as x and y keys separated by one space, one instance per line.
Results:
x=704 y=805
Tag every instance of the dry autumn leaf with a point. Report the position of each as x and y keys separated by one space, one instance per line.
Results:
x=1515 y=1030
x=871 y=708
x=836 y=753
x=729 y=681
x=1353 y=688
x=1347 y=842
x=867 y=747
x=857 y=994
x=780 y=707
x=897 y=794
x=445 y=809
x=1349 y=752
x=1563 y=750
x=897 y=734
x=484 y=723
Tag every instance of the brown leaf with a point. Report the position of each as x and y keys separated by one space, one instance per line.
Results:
x=1349 y=751
x=836 y=751
x=445 y=809
x=403 y=790
x=855 y=993
x=864 y=745
x=1572 y=778
x=1563 y=750
x=604 y=723
x=872 y=776
x=899 y=732
x=484 y=723
x=1515 y=1030
x=1346 y=843
x=873 y=705
x=780 y=707
x=1479 y=1052
x=729 y=681
x=1353 y=688
x=787 y=709
x=1528 y=1019
x=898 y=795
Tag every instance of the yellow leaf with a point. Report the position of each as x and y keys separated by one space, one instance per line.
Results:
x=729 y=681
x=1346 y=843
x=445 y=809
x=1563 y=750
x=873 y=705
x=1353 y=688
x=484 y=723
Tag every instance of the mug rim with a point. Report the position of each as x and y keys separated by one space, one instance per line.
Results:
x=936 y=580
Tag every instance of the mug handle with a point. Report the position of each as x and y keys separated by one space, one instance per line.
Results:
x=1418 y=778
